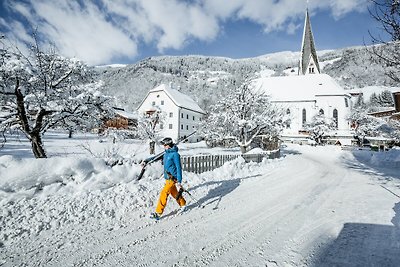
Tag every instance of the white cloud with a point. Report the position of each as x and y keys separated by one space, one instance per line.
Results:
x=100 y=35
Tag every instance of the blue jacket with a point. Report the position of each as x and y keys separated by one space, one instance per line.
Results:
x=172 y=163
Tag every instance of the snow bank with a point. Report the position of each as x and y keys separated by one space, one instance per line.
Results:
x=380 y=159
x=40 y=194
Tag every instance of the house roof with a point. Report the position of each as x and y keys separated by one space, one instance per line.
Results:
x=125 y=114
x=299 y=88
x=179 y=99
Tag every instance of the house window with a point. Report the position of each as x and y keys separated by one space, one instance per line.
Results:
x=187 y=127
x=187 y=116
x=153 y=103
x=181 y=126
x=182 y=115
x=321 y=112
x=170 y=126
x=193 y=118
x=346 y=102
x=171 y=114
x=162 y=102
x=288 y=111
x=304 y=118
x=161 y=126
x=335 y=117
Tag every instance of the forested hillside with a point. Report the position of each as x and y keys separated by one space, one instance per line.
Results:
x=206 y=78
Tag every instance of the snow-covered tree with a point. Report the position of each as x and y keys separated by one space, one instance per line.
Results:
x=319 y=126
x=42 y=90
x=150 y=127
x=242 y=115
x=360 y=103
x=367 y=125
x=387 y=13
x=386 y=99
x=374 y=100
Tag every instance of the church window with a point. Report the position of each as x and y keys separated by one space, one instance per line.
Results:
x=304 y=118
x=335 y=117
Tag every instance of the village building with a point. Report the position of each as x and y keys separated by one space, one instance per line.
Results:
x=180 y=112
x=391 y=113
x=309 y=93
x=121 y=120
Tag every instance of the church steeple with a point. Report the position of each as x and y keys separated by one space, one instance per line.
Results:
x=309 y=60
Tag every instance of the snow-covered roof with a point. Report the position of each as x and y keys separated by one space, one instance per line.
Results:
x=180 y=99
x=299 y=88
x=126 y=114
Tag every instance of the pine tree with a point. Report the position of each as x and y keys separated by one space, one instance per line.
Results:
x=386 y=99
x=360 y=102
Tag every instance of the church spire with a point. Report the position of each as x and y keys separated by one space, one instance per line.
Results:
x=309 y=60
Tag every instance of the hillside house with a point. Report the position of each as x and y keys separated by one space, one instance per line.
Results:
x=182 y=114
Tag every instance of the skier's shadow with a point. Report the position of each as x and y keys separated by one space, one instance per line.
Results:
x=222 y=189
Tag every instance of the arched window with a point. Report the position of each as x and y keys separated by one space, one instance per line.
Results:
x=321 y=112
x=335 y=117
x=304 y=118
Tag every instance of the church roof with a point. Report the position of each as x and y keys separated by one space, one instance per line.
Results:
x=299 y=88
x=308 y=50
x=179 y=99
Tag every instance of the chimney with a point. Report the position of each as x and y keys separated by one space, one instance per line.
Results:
x=396 y=98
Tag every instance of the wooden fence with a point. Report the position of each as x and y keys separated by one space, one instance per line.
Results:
x=200 y=164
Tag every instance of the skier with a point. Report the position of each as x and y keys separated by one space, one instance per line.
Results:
x=173 y=178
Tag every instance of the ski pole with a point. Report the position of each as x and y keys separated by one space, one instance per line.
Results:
x=195 y=199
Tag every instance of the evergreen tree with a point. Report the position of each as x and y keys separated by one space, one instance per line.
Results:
x=360 y=103
x=386 y=99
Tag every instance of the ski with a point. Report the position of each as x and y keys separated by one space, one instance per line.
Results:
x=159 y=156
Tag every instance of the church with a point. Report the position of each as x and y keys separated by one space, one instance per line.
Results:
x=310 y=92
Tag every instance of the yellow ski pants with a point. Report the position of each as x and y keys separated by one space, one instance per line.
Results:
x=169 y=188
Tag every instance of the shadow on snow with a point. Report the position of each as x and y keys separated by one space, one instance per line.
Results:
x=222 y=189
x=364 y=245
x=362 y=164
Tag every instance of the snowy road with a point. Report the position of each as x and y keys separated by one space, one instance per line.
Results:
x=308 y=209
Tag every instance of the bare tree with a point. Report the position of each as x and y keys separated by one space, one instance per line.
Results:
x=150 y=127
x=241 y=116
x=387 y=13
x=43 y=90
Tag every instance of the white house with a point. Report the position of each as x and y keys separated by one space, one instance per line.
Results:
x=182 y=113
x=310 y=92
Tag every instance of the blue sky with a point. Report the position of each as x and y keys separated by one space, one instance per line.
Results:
x=126 y=31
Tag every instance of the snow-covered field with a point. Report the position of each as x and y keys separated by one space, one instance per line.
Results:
x=315 y=206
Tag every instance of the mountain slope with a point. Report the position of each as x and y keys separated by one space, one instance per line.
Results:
x=206 y=78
